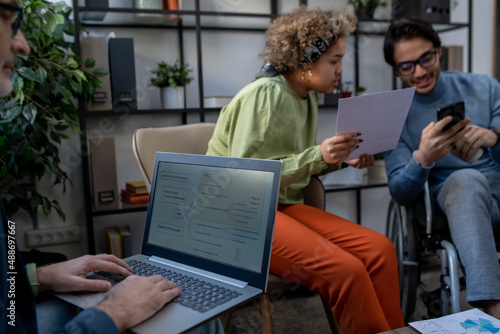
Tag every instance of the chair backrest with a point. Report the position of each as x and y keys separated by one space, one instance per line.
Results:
x=314 y=193
x=193 y=138
x=188 y=138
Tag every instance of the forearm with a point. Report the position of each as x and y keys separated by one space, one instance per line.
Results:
x=299 y=166
x=43 y=275
x=406 y=182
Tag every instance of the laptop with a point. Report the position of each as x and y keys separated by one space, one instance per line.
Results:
x=210 y=219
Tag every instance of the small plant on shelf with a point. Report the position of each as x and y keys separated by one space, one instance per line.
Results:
x=166 y=75
x=360 y=90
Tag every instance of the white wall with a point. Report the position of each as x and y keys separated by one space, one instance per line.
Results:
x=230 y=60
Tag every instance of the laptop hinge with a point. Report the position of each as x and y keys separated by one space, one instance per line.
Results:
x=217 y=277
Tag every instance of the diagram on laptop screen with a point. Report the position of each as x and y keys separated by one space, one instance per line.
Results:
x=214 y=213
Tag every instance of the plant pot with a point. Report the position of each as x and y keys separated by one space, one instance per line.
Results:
x=172 y=97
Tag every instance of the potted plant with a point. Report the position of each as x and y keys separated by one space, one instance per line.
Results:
x=360 y=90
x=35 y=117
x=366 y=8
x=171 y=80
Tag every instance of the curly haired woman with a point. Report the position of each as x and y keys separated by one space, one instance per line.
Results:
x=275 y=117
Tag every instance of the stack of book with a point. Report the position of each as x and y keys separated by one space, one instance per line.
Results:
x=136 y=192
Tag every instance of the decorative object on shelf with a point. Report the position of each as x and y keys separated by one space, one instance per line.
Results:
x=148 y=4
x=435 y=11
x=366 y=8
x=171 y=79
x=346 y=89
x=171 y=5
x=41 y=108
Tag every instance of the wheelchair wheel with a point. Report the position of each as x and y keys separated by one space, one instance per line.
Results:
x=403 y=235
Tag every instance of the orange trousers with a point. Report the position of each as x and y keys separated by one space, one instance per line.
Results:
x=354 y=267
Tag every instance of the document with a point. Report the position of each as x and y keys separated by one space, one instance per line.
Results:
x=466 y=322
x=379 y=117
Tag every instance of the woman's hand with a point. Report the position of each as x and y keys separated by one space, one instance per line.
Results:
x=366 y=160
x=336 y=149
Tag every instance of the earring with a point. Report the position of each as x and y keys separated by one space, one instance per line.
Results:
x=310 y=76
x=303 y=78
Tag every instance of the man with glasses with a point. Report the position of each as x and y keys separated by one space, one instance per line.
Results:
x=127 y=304
x=12 y=42
x=467 y=191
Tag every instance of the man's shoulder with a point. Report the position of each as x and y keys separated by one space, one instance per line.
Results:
x=465 y=76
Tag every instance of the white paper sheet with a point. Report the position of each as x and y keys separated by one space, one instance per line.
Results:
x=379 y=117
x=466 y=322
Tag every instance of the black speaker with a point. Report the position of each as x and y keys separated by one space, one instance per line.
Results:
x=434 y=11
x=122 y=69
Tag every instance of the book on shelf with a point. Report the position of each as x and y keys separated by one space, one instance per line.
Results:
x=137 y=187
x=114 y=241
x=131 y=197
x=126 y=240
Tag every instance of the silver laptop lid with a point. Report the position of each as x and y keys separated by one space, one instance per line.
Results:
x=214 y=213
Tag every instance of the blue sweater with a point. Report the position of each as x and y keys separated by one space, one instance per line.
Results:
x=481 y=94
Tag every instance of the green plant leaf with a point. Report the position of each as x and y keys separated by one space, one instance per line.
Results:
x=71 y=63
x=28 y=74
x=89 y=63
x=3 y=170
x=29 y=112
x=50 y=22
x=11 y=114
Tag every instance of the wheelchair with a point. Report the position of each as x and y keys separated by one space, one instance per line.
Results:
x=418 y=232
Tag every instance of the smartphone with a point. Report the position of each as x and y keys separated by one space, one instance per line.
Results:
x=456 y=110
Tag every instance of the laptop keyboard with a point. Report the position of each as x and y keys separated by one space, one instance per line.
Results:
x=196 y=294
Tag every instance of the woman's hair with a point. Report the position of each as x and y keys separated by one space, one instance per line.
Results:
x=408 y=28
x=298 y=37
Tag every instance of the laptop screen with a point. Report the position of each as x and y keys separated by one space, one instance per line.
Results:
x=215 y=209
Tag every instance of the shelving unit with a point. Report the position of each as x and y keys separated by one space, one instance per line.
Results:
x=382 y=28
x=189 y=20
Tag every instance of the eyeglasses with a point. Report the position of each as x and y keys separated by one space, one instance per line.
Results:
x=15 y=15
x=427 y=60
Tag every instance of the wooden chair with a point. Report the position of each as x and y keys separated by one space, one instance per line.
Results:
x=193 y=138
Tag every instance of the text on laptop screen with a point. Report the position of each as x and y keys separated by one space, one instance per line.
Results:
x=203 y=208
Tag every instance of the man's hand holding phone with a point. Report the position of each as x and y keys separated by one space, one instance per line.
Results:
x=457 y=112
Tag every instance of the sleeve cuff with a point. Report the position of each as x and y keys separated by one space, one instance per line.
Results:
x=419 y=164
x=92 y=320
